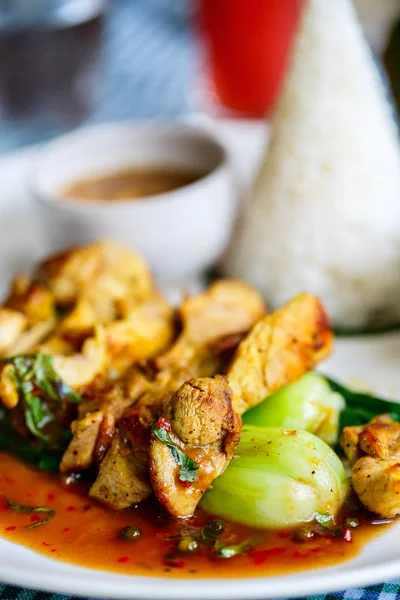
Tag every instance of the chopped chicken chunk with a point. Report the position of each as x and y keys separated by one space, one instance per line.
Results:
x=56 y=345
x=81 y=369
x=31 y=338
x=142 y=334
x=78 y=324
x=228 y=307
x=103 y=273
x=12 y=324
x=32 y=299
x=280 y=348
x=373 y=451
x=122 y=479
x=27 y=318
x=110 y=403
x=80 y=452
x=200 y=423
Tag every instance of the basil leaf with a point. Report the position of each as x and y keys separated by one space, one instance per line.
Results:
x=67 y=393
x=30 y=510
x=361 y=407
x=189 y=468
x=44 y=373
x=188 y=471
x=42 y=391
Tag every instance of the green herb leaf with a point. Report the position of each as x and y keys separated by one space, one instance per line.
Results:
x=50 y=514
x=30 y=510
x=188 y=471
x=362 y=407
x=188 y=467
x=41 y=390
x=325 y=521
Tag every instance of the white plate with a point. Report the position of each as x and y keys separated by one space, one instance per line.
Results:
x=372 y=359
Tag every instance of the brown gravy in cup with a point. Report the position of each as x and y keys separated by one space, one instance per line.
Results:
x=131 y=184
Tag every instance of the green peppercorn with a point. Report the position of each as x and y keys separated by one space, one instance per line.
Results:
x=130 y=533
x=212 y=530
x=187 y=546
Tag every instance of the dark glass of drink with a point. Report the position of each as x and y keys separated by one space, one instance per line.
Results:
x=49 y=59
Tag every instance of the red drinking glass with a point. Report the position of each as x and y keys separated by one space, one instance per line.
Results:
x=246 y=45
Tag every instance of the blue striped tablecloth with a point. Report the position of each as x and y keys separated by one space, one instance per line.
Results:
x=149 y=63
x=386 y=591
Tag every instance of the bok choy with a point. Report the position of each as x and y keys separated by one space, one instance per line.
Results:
x=278 y=479
x=319 y=405
x=308 y=404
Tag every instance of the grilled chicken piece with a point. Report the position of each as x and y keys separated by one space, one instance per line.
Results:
x=32 y=299
x=103 y=273
x=280 y=348
x=80 y=452
x=373 y=451
x=78 y=324
x=79 y=370
x=200 y=422
x=118 y=453
x=379 y=438
x=146 y=330
x=115 y=405
x=123 y=480
x=107 y=407
x=227 y=308
x=117 y=396
x=12 y=324
x=28 y=317
x=56 y=345
x=31 y=338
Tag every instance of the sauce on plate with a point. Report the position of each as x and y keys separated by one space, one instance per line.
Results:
x=131 y=184
x=84 y=533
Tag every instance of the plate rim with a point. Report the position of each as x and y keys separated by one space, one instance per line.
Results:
x=83 y=582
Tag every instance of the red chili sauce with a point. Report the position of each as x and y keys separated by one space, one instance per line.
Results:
x=84 y=533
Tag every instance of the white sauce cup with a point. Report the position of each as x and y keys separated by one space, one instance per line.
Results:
x=181 y=232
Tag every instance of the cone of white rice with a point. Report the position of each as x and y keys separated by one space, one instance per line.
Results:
x=324 y=215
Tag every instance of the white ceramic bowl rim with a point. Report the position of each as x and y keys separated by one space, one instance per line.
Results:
x=153 y=127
